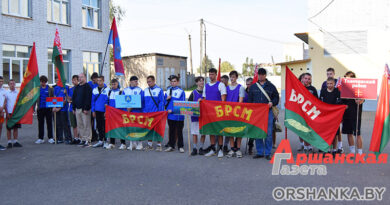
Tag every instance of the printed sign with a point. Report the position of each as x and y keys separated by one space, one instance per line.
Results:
x=186 y=108
x=54 y=102
x=128 y=101
x=358 y=88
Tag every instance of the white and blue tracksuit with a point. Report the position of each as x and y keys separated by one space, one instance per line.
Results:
x=178 y=94
x=157 y=94
x=136 y=91
x=99 y=99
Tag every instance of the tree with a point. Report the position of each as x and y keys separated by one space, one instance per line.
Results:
x=248 y=68
x=206 y=64
x=117 y=11
x=226 y=67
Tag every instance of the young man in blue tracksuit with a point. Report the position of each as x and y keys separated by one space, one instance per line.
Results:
x=98 y=109
x=135 y=90
x=62 y=123
x=175 y=122
x=112 y=93
x=154 y=102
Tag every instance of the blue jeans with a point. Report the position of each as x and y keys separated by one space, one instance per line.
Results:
x=264 y=146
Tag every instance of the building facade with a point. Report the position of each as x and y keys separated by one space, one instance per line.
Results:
x=83 y=27
x=354 y=39
x=157 y=64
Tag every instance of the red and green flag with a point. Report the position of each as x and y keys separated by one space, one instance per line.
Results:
x=58 y=61
x=381 y=133
x=311 y=119
x=28 y=93
x=135 y=126
x=233 y=119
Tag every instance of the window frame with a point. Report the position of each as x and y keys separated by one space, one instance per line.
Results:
x=29 y=10
x=89 y=62
x=61 y=2
x=87 y=8
x=15 y=58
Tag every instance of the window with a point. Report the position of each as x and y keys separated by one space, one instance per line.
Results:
x=91 y=14
x=51 y=69
x=17 y=7
x=15 y=60
x=58 y=11
x=91 y=63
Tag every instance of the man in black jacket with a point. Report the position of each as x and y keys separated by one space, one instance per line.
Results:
x=81 y=102
x=256 y=95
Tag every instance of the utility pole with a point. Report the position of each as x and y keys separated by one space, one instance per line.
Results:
x=201 y=46
x=205 y=55
x=189 y=38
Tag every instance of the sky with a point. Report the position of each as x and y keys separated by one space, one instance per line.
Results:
x=163 y=27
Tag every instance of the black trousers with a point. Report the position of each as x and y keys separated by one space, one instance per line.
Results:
x=101 y=125
x=62 y=123
x=112 y=141
x=45 y=113
x=175 y=132
x=94 y=133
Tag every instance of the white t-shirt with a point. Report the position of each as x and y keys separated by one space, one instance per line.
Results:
x=2 y=96
x=221 y=88
x=11 y=96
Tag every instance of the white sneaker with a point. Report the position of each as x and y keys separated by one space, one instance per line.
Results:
x=105 y=145
x=159 y=148
x=51 y=141
x=169 y=149
x=99 y=144
x=239 y=154
x=122 y=147
x=181 y=150
x=209 y=154
x=230 y=154
x=110 y=146
x=132 y=146
x=220 y=153
x=39 y=141
x=139 y=146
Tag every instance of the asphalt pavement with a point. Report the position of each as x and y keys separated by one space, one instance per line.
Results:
x=68 y=174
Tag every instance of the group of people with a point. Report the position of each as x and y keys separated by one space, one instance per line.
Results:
x=85 y=104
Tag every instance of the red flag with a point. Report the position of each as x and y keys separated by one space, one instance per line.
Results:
x=311 y=119
x=114 y=40
x=57 y=60
x=255 y=76
x=381 y=132
x=219 y=71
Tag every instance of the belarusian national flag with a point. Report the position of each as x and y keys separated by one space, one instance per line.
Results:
x=311 y=119
x=135 y=126
x=58 y=61
x=381 y=133
x=233 y=119
x=255 y=75
x=28 y=94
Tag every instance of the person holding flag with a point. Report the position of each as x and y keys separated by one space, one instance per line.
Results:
x=263 y=91
x=61 y=113
x=214 y=90
x=154 y=102
x=19 y=105
x=135 y=90
x=2 y=98
x=235 y=93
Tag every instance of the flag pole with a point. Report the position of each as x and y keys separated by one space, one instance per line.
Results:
x=104 y=58
x=189 y=138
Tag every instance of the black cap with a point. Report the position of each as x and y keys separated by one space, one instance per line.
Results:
x=171 y=77
x=133 y=78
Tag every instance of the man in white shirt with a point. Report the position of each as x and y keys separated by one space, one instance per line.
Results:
x=2 y=97
x=10 y=100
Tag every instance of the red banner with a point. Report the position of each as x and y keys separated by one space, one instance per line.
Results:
x=233 y=119
x=358 y=88
x=313 y=120
x=135 y=126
